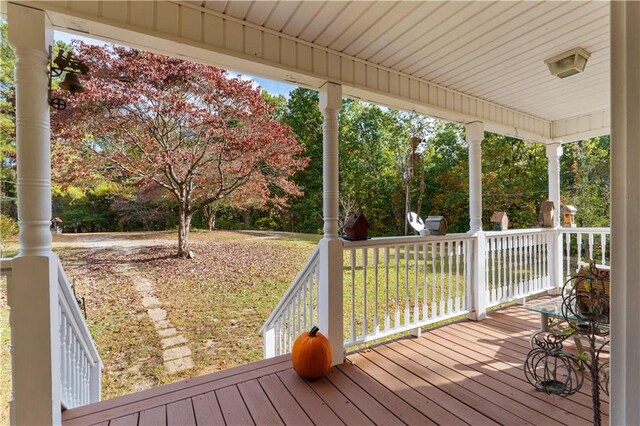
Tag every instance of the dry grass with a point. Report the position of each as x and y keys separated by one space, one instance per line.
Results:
x=218 y=300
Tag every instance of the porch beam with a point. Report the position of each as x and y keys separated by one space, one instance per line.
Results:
x=32 y=288
x=187 y=30
x=582 y=127
x=330 y=303
x=625 y=226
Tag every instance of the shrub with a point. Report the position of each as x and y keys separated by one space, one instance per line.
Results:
x=8 y=226
x=266 y=224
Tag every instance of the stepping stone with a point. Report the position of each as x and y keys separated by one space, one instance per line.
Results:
x=177 y=365
x=159 y=325
x=173 y=341
x=157 y=314
x=150 y=301
x=167 y=332
x=175 y=353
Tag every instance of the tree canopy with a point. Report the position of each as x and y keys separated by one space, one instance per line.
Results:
x=188 y=128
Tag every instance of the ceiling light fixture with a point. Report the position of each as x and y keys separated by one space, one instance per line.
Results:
x=568 y=63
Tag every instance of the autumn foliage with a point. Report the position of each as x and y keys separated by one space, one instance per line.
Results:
x=189 y=128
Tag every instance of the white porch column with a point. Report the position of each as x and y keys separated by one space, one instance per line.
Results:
x=330 y=311
x=32 y=289
x=474 y=136
x=625 y=208
x=554 y=152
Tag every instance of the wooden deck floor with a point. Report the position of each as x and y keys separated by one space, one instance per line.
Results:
x=464 y=373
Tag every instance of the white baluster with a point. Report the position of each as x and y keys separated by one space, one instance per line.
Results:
x=458 y=248
x=603 y=248
x=387 y=319
x=376 y=326
x=487 y=263
x=305 y=296
x=579 y=236
x=450 y=295
x=500 y=292
x=365 y=285
x=591 y=246
x=442 y=272
x=406 y=285
x=352 y=252
x=425 y=270
x=567 y=272
x=397 y=264
x=416 y=303
x=434 y=278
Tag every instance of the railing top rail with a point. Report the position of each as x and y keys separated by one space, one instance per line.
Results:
x=78 y=321
x=6 y=266
x=411 y=239
x=313 y=258
x=524 y=231
x=595 y=230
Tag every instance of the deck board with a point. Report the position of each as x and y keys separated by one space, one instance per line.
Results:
x=461 y=373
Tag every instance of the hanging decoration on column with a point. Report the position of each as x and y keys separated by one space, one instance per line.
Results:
x=73 y=68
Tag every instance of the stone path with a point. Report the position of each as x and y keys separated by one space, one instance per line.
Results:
x=176 y=355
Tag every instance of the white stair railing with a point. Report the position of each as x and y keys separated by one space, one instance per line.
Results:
x=397 y=284
x=583 y=244
x=80 y=364
x=517 y=264
x=297 y=310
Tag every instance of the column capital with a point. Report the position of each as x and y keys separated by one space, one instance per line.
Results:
x=331 y=97
x=474 y=131
x=554 y=150
x=29 y=28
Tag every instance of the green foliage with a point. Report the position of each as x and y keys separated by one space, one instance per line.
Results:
x=586 y=181
x=8 y=227
x=266 y=224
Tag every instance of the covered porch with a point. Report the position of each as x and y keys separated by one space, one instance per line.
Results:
x=397 y=284
x=462 y=373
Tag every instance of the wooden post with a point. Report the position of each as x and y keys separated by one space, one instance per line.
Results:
x=330 y=309
x=476 y=275
x=33 y=289
x=554 y=152
x=625 y=225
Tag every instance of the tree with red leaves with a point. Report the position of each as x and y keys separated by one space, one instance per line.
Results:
x=189 y=128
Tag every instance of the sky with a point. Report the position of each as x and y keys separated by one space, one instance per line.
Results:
x=271 y=86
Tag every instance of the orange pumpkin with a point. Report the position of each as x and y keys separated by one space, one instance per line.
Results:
x=311 y=354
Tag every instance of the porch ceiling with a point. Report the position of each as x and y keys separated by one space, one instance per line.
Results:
x=490 y=50
x=460 y=61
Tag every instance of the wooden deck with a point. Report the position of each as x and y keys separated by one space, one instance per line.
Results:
x=463 y=373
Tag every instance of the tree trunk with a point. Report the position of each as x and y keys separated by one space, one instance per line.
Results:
x=209 y=213
x=184 y=224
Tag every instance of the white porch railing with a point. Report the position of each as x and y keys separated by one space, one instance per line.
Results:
x=296 y=311
x=517 y=264
x=80 y=364
x=399 y=284
x=579 y=245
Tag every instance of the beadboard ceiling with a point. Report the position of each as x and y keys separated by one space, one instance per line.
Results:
x=492 y=50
